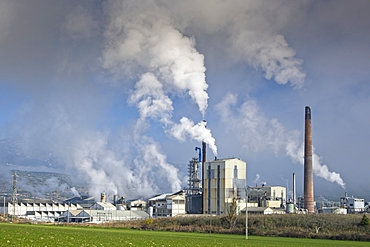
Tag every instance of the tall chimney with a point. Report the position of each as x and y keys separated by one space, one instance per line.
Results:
x=204 y=148
x=294 y=190
x=102 y=197
x=308 y=175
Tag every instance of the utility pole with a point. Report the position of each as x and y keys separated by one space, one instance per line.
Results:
x=14 y=195
x=4 y=208
x=246 y=213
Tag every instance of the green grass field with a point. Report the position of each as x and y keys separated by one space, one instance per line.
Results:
x=41 y=235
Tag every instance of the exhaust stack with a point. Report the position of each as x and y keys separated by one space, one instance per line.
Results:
x=294 y=191
x=102 y=197
x=204 y=148
x=308 y=174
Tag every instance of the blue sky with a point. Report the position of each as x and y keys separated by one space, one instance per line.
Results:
x=116 y=91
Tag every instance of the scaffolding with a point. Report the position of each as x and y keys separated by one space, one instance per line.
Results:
x=194 y=180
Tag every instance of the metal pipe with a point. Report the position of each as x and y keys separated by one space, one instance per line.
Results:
x=200 y=153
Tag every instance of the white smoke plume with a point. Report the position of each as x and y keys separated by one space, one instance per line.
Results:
x=154 y=160
x=258 y=133
x=141 y=37
x=274 y=56
x=296 y=152
x=151 y=99
x=152 y=102
x=75 y=192
x=197 y=132
x=90 y=159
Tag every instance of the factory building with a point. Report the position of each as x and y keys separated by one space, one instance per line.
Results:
x=353 y=205
x=40 y=211
x=267 y=196
x=224 y=186
x=103 y=206
x=136 y=205
x=101 y=216
x=167 y=205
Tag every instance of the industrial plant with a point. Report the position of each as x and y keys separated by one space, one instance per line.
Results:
x=215 y=187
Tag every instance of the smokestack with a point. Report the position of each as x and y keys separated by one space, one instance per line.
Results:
x=102 y=197
x=308 y=175
x=294 y=190
x=204 y=147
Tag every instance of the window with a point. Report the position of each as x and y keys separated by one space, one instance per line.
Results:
x=235 y=172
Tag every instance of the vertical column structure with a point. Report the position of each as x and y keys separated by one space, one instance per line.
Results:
x=308 y=174
x=294 y=191
x=203 y=173
x=204 y=158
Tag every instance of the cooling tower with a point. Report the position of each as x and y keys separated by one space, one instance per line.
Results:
x=308 y=175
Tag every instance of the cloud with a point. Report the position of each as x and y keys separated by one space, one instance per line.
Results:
x=80 y=23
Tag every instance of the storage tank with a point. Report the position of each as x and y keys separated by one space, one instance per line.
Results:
x=150 y=212
x=290 y=208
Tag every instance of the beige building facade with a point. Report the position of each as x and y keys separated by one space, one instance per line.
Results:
x=224 y=186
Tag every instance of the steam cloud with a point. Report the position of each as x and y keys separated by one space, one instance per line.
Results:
x=141 y=37
x=259 y=133
x=170 y=62
x=198 y=132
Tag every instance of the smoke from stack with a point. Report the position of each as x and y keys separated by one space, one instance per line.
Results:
x=308 y=174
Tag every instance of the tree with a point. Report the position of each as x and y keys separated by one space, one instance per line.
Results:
x=364 y=221
x=232 y=212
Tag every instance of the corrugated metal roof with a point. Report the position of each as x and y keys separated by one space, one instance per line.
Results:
x=104 y=205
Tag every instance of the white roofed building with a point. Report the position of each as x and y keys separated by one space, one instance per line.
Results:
x=45 y=211
x=103 y=206
x=167 y=205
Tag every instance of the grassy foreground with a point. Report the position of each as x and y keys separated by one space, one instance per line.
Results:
x=41 y=235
